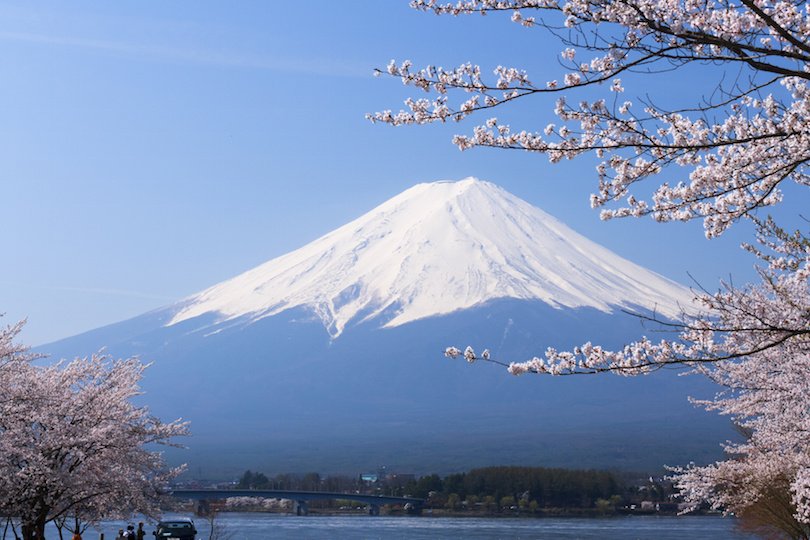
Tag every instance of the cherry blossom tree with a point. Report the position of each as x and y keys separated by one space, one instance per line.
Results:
x=719 y=159
x=73 y=444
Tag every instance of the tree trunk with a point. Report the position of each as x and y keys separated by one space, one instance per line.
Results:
x=34 y=531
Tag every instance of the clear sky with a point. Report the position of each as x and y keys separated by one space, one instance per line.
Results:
x=152 y=149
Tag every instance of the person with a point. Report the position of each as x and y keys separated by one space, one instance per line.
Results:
x=140 y=533
x=120 y=535
x=130 y=534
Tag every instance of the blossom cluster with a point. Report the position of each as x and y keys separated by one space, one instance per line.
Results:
x=767 y=397
x=257 y=503
x=736 y=150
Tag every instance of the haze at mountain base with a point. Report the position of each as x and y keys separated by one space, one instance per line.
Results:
x=321 y=360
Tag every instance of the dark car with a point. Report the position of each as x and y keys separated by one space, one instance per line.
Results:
x=175 y=529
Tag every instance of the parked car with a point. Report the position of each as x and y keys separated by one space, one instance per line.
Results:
x=176 y=529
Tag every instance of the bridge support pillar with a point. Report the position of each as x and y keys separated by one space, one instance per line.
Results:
x=373 y=510
x=301 y=508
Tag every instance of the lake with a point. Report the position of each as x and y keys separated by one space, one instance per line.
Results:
x=253 y=526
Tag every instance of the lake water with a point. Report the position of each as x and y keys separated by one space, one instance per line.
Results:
x=250 y=526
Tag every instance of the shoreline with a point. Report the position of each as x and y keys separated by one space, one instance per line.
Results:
x=444 y=513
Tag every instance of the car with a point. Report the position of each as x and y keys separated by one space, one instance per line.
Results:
x=176 y=529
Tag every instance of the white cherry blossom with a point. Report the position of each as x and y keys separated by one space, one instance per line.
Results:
x=732 y=152
x=720 y=161
x=72 y=443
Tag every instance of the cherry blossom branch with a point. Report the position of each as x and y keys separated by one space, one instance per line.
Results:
x=736 y=164
x=734 y=151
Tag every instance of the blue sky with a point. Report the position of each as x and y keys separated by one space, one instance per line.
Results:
x=151 y=149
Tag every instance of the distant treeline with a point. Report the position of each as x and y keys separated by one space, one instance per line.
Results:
x=548 y=488
x=489 y=489
x=311 y=481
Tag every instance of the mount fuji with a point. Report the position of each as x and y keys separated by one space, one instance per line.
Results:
x=329 y=357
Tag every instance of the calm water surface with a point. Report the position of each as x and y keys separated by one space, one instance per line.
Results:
x=238 y=526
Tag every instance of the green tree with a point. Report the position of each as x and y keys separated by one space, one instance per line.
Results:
x=489 y=503
x=427 y=484
x=251 y=480
x=507 y=502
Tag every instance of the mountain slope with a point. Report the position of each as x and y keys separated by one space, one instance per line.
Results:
x=432 y=250
x=329 y=358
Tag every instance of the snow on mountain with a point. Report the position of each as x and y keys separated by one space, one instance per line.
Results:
x=266 y=388
x=432 y=250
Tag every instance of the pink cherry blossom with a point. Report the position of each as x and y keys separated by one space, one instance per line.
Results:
x=732 y=153
x=72 y=442
x=720 y=161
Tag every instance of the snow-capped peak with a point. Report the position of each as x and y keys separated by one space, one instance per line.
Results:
x=434 y=249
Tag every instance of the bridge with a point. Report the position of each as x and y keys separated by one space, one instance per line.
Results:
x=301 y=498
